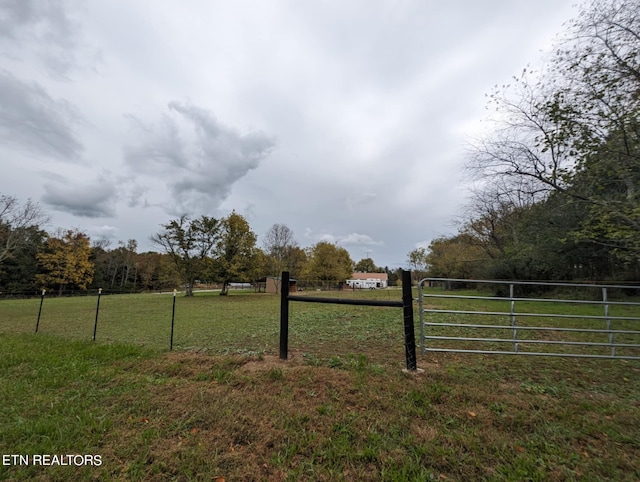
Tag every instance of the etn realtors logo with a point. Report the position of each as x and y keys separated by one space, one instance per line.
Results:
x=51 y=460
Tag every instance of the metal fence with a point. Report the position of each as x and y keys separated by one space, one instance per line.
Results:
x=529 y=318
x=406 y=304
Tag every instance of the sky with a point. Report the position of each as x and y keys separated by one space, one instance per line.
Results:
x=347 y=121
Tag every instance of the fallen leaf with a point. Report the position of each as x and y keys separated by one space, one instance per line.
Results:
x=194 y=430
x=144 y=420
x=519 y=448
x=473 y=414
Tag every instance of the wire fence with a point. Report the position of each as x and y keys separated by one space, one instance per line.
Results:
x=244 y=322
x=204 y=320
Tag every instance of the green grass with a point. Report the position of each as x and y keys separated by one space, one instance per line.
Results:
x=223 y=405
x=243 y=322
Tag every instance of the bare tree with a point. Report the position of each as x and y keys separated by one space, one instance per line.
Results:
x=279 y=245
x=15 y=219
x=574 y=127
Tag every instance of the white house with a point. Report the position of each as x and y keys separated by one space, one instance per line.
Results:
x=368 y=280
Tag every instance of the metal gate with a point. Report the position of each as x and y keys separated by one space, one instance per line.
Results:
x=529 y=318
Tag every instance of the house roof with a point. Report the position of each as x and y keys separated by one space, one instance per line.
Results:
x=379 y=276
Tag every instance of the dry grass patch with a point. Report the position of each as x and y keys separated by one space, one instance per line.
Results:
x=250 y=416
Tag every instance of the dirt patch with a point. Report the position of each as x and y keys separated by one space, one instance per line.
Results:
x=269 y=362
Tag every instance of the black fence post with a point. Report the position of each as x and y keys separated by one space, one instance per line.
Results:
x=409 y=334
x=173 y=317
x=284 y=315
x=40 y=310
x=95 y=325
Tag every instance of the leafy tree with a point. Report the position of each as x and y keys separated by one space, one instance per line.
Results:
x=189 y=243
x=297 y=261
x=65 y=261
x=453 y=257
x=328 y=262
x=261 y=266
x=366 y=265
x=236 y=251
x=19 y=270
x=611 y=179
x=573 y=129
x=16 y=221
x=417 y=259
x=393 y=276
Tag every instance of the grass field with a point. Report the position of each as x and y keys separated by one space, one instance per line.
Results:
x=221 y=406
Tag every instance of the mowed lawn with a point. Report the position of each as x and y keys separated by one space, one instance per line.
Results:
x=222 y=406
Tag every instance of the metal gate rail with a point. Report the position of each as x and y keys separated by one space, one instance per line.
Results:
x=615 y=334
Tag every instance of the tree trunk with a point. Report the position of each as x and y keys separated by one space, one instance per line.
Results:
x=225 y=288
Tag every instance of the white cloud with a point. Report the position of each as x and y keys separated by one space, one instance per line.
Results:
x=197 y=157
x=106 y=232
x=371 y=104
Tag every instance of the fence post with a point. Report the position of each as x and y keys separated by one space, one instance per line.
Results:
x=40 y=310
x=284 y=315
x=605 y=302
x=173 y=317
x=95 y=325
x=409 y=334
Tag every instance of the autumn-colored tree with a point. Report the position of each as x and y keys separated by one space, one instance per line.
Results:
x=236 y=250
x=328 y=262
x=65 y=261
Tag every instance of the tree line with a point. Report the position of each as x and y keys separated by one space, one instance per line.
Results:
x=557 y=193
x=202 y=250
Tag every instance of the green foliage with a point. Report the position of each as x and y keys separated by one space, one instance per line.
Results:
x=17 y=272
x=328 y=262
x=18 y=223
x=568 y=139
x=189 y=243
x=366 y=265
x=235 y=251
x=455 y=257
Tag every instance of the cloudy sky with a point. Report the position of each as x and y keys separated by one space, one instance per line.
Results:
x=345 y=120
